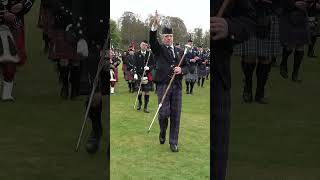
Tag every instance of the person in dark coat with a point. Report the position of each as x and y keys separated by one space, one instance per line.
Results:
x=314 y=24
x=143 y=64
x=232 y=28
x=294 y=35
x=89 y=33
x=257 y=53
x=167 y=58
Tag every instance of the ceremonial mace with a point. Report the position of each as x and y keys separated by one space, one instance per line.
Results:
x=94 y=84
x=171 y=80
x=220 y=13
x=144 y=71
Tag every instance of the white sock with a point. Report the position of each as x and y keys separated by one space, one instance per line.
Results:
x=112 y=90
x=7 y=90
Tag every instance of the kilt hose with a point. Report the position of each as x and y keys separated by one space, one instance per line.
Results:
x=220 y=127
x=171 y=108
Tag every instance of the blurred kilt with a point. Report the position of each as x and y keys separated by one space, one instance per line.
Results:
x=292 y=35
x=314 y=24
x=128 y=75
x=266 y=47
x=144 y=87
x=193 y=74
x=201 y=71
x=60 y=48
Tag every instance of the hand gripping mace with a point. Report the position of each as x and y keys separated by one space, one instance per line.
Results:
x=94 y=85
x=144 y=71
x=171 y=80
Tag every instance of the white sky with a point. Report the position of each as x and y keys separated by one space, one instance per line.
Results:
x=195 y=14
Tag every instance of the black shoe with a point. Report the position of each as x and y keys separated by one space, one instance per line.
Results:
x=295 y=78
x=247 y=97
x=146 y=110
x=64 y=91
x=93 y=143
x=284 y=72
x=174 y=148
x=162 y=137
x=139 y=106
x=261 y=100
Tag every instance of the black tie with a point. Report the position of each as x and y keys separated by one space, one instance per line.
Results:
x=171 y=52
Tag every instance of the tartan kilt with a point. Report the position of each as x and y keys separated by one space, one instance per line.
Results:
x=128 y=75
x=266 y=47
x=144 y=87
x=59 y=47
x=314 y=25
x=201 y=71
x=191 y=76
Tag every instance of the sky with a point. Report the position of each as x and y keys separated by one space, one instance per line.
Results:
x=195 y=14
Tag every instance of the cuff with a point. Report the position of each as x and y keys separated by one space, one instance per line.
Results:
x=154 y=27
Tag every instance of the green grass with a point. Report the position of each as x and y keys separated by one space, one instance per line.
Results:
x=39 y=131
x=279 y=141
x=137 y=155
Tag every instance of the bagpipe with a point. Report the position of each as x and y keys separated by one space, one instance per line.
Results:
x=8 y=50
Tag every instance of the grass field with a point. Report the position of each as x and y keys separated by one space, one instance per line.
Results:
x=39 y=131
x=279 y=141
x=137 y=155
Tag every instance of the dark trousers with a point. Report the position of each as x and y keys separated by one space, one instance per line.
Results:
x=220 y=128
x=171 y=108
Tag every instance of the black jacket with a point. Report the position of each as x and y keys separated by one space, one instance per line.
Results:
x=240 y=17
x=92 y=18
x=140 y=61
x=164 y=64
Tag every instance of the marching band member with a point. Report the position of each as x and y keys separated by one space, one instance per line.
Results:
x=114 y=63
x=192 y=76
x=89 y=32
x=167 y=58
x=143 y=63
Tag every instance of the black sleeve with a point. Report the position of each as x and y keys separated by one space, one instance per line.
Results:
x=154 y=44
x=241 y=22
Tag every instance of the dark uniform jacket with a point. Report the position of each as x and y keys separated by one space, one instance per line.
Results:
x=140 y=61
x=164 y=62
x=91 y=20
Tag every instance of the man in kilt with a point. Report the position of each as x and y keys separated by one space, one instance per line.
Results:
x=167 y=58
x=143 y=63
x=192 y=76
x=12 y=48
x=61 y=50
x=258 y=51
x=232 y=28
x=130 y=70
x=88 y=33
x=294 y=35
x=202 y=62
x=314 y=24
x=114 y=63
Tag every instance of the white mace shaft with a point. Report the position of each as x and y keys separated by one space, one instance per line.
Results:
x=155 y=116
